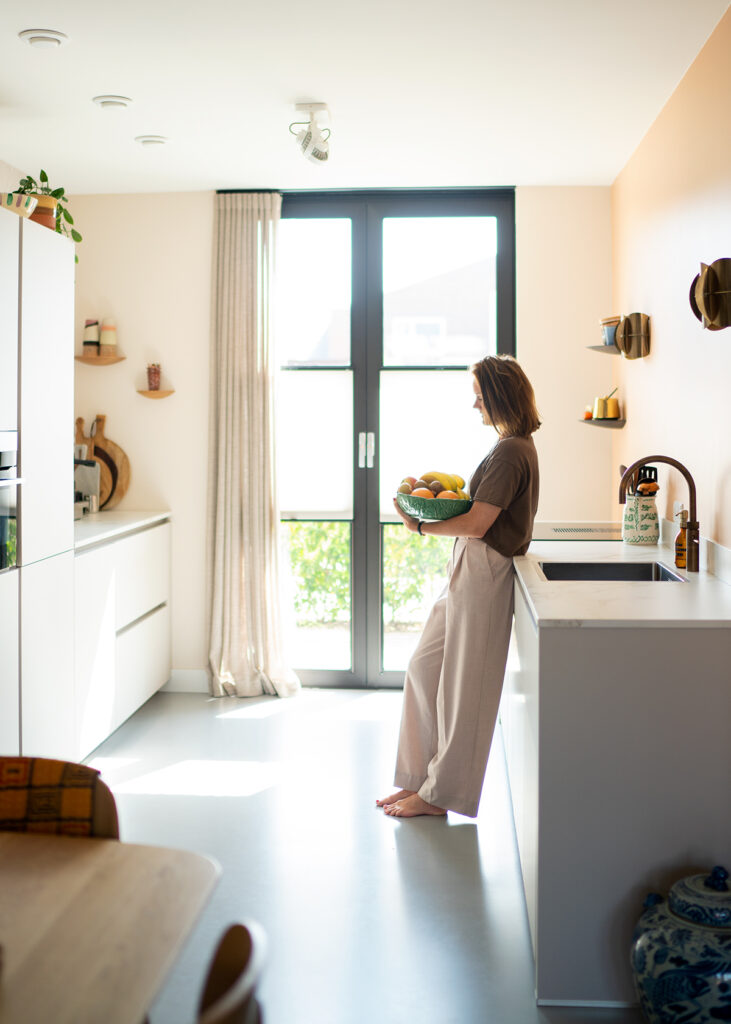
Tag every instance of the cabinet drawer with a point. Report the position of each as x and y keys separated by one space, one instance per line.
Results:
x=9 y=664
x=143 y=662
x=143 y=573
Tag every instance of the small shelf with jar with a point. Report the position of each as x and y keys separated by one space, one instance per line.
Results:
x=613 y=424
x=156 y=394
x=99 y=360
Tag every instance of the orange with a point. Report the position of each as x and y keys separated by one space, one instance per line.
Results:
x=423 y=492
x=447 y=494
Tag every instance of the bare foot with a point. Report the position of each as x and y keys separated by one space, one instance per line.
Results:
x=411 y=807
x=402 y=793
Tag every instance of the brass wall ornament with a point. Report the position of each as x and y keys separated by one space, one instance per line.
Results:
x=633 y=336
x=710 y=295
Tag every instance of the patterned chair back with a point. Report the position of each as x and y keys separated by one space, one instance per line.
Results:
x=42 y=795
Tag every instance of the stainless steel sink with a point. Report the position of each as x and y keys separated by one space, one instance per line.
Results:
x=609 y=571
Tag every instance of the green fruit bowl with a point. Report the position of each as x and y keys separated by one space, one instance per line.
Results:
x=432 y=508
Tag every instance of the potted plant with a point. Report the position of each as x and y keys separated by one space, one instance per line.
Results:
x=51 y=210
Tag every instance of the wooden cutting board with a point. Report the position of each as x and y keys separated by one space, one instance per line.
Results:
x=113 y=463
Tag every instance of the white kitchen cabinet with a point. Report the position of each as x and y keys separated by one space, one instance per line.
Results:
x=47 y=653
x=95 y=637
x=143 y=661
x=46 y=393
x=9 y=666
x=122 y=629
x=615 y=716
x=9 y=248
x=519 y=720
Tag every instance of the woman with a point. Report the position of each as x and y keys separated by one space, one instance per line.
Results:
x=454 y=679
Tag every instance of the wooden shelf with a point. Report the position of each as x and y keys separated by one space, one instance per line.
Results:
x=613 y=424
x=612 y=350
x=99 y=360
x=156 y=394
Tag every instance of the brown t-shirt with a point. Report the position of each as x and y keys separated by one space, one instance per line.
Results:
x=508 y=478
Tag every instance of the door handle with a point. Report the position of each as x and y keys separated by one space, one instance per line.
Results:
x=361 y=450
x=370 y=449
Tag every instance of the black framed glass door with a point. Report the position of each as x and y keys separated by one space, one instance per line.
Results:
x=385 y=300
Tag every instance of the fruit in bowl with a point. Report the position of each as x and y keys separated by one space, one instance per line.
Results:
x=433 y=496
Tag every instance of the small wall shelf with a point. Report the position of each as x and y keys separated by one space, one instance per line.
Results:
x=99 y=360
x=613 y=424
x=611 y=350
x=156 y=394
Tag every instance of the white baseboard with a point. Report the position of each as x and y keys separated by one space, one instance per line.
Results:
x=187 y=680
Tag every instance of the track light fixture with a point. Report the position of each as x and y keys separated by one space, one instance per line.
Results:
x=312 y=136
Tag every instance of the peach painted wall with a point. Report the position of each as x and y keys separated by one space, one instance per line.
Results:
x=9 y=177
x=146 y=261
x=564 y=287
x=671 y=209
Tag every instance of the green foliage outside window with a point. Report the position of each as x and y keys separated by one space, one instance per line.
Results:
x=319 y=559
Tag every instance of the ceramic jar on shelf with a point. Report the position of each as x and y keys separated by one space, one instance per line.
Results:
x=681 y=952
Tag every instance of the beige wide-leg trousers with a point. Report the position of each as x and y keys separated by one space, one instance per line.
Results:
x=454 y=681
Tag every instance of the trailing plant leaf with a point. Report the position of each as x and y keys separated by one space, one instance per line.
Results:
x=29 y=186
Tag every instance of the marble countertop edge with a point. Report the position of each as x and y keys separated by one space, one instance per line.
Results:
x=702 y=601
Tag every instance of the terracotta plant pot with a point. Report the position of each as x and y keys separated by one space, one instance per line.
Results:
x=45 y=212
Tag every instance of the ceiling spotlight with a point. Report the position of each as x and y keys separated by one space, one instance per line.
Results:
x=43 y=38
x=312 y=135
x=151 y=140
x=112 y=102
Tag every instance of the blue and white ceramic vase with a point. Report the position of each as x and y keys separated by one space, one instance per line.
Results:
x=681 y=952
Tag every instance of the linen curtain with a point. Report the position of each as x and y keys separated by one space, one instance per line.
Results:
x=246 y=655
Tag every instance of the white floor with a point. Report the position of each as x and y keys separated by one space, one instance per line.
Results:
x=370 y=920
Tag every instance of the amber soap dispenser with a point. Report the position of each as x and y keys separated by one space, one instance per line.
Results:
x=681 y=541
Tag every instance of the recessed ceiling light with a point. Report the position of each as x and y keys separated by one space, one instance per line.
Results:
x=151 y=140
x=112 y=102
x=43 y=38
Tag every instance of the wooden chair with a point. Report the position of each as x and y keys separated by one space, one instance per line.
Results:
x=40 y=794
x=229 y=994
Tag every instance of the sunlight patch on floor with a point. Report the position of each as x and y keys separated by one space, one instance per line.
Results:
x=205 y=778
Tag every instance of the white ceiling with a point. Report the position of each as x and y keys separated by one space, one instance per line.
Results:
x=422 y=93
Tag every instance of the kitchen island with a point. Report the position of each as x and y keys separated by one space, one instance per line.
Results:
x=616 y=715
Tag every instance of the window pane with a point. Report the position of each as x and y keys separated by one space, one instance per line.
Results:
x=315 y=443
x=427 y=424
x=413 y=577
x=313 y=292
x=439 y=290
x=316 y=591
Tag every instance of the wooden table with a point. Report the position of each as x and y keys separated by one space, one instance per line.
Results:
x=90 y=927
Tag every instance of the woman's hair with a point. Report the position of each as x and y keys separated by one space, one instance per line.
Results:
x=507 y=396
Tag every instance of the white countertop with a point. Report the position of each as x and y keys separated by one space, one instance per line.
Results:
x=105 y=526
x=702 y=601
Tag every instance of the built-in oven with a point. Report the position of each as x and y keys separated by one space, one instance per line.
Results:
x=9 y=483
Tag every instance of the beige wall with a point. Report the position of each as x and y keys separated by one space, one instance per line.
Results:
x=671 y=209
x=9 y=177
x=146 y=261
x=564 y=287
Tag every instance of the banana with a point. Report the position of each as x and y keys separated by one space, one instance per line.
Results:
x=463 y=495
x=445 y=479
x=449 y=481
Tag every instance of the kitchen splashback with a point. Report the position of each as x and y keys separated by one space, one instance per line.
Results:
x=577 y=531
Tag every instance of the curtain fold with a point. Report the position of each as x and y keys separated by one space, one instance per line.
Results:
x=246 y=655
